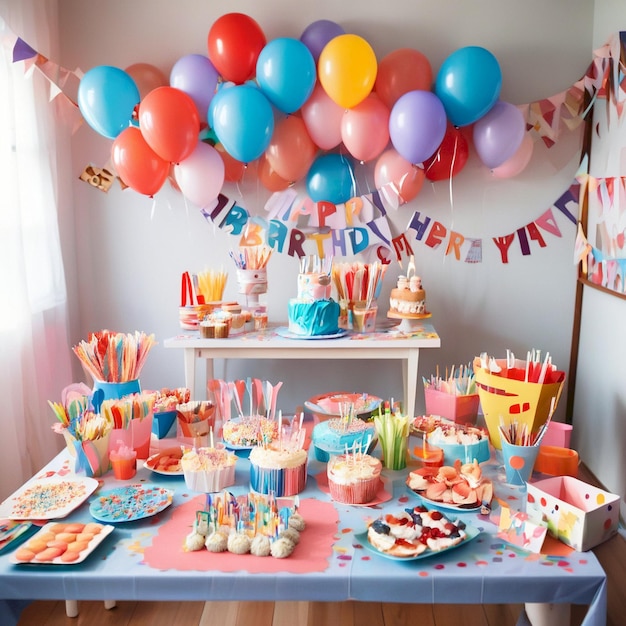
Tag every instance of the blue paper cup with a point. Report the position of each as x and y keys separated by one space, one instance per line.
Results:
x=518 y=462
x=115 y=391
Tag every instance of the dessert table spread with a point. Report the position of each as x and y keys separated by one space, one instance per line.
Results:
x=269 y=344
x=143 y=559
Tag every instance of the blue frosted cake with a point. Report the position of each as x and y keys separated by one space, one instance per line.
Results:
x=335 y=435
x=313 y=312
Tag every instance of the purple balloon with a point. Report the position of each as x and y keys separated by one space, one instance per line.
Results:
x=499 y=133
x=317 y=34
x=417 y=125
x=197 y=77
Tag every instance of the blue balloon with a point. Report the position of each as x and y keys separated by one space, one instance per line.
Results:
x=107 y=97
x=243 y=121
x=468 y=83
x=331 y=179
x=286 y=73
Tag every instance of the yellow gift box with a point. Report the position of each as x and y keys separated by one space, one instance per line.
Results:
x=507 y=397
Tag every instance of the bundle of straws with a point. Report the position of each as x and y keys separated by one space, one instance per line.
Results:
x=252 y=257
x=114 y=357
x=393 y=432
x=358 y=281
x=519 y=434
x=121 y=412
x=460 y=382
x=70 y=411
x=210 y=285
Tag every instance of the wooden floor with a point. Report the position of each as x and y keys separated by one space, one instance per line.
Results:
x=611 y=554
x=51 y=613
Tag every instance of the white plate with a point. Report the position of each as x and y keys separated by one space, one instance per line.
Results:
x=127 y=504
x=149 y=464
x=470 y=532
x=83 y=554
x=48 y=498
x=458 y=508
x=283 y=331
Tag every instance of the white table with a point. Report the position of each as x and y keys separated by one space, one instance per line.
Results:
x=389 y=344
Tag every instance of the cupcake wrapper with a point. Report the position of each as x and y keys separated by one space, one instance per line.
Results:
x=210 y=481
x=280 y=482
x=358 y=492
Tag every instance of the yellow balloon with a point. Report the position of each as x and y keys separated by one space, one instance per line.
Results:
x=347 y=69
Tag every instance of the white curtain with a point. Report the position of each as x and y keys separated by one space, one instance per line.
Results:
x=35 y=358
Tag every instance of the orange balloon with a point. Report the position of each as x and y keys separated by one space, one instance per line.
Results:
x=392 y=168
x=291 y=150
x=268 y=176
x=147 y=77
x=402 y=71
x=137 y=164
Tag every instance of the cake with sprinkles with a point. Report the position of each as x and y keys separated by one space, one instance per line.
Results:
x=276 y=470
x=336 y=435
x=249 y=431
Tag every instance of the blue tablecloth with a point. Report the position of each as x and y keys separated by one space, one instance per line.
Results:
x=486 y=570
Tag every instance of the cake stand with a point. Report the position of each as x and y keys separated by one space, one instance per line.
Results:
x=409 y=323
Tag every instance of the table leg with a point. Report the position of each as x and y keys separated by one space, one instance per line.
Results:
x=71 y=608
x=189 y=355
x=409 y=379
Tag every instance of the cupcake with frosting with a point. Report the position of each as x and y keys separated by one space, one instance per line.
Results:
x=278 y=470
x=208 y=470
x=353 y=478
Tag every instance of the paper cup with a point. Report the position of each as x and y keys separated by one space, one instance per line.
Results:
x=115 y=391
x=124 y=467
x=364 y=317
x=141 y=430
x=518 y=462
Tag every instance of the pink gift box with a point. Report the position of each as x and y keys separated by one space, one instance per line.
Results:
x=557 y=434
x=580 y=515
x=459 y=409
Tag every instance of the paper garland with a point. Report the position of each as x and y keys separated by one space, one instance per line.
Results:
x=297 y=226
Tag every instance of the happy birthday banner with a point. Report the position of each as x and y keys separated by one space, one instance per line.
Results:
x=297 y=226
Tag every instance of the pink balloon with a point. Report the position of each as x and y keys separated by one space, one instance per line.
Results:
x=499 y=133
x=518 y=162
x=365 y=128
x=201 y=175
x=322 y=117
x=147 y=77
x=392 y=168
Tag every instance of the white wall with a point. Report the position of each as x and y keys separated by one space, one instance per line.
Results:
x=131 y=250
x=600 y=397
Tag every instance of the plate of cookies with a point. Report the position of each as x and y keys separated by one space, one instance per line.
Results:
x=59 y=543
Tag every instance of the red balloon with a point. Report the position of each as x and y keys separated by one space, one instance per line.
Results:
x=169 y=122
x=450 y=158
x=235 y=41
x=137 y=164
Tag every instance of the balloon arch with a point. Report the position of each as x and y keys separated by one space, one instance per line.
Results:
x=302 y=111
